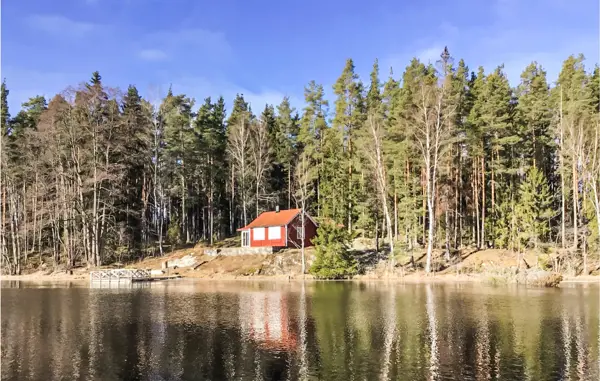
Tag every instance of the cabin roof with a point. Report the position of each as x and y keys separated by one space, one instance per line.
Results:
x=273 y=218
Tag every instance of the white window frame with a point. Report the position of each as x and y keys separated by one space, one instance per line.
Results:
x=260 y=236
x=300 y=231
x=246 y=242
x=274 y=232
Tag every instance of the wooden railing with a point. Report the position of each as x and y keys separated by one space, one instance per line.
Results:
x=119 y=274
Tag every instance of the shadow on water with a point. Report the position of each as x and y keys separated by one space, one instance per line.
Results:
x=289 y=331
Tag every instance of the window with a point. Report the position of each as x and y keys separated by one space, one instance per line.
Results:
x=274 y=232
x=300 y=231
x=246 y=238
x=259 y=234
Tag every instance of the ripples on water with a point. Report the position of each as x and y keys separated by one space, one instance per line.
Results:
x=287 y=331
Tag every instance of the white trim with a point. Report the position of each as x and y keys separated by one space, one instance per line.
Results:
x=302 y=230
x=248 y=240
x=311 y=219
x=286 y=235
x=306 y=214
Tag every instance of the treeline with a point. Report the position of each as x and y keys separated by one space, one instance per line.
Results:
x=441 y=157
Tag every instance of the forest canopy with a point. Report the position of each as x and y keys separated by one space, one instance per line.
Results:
x=440 y=157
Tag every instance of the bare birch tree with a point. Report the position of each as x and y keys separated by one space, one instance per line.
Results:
x=304 y=177
x=373 y=151
x=239 y=151
x=261 y=160
x=432 y=134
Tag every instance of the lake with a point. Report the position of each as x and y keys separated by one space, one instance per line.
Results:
x=217 y=330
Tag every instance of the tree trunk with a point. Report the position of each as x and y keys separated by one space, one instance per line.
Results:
x=475 y=208
x=575 y=202
x=232 y=202
x=303 y=235
x=596 y=202
x=482 y=245
x=257 y=188
x=431 y=214
x=395 y=213
x=290 y=186
x=562 y=177
x=424 y=187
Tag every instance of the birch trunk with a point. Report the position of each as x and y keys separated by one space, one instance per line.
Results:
x=562 y=174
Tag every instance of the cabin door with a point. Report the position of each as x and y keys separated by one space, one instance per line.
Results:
x=246 y=238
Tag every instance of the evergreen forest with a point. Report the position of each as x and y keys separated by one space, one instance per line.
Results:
x=439 y=157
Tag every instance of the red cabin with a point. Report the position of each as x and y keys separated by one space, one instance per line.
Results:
x=280 y=228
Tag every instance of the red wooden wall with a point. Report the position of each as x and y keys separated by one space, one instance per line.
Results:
x=310 y=230
x=268 y=242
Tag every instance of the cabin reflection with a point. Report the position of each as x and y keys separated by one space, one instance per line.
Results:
x=265 y=319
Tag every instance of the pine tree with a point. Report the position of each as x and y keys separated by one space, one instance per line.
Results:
x=534 y=208
x=5 y=115
x=176 y=114
x=332 y=253
x=287 y=130
x=476 y=144
x=210 y=129
x=374 y=101
x=594 y=83
x=349 y=117
x=374 y=177
x=311 y=135
x=533 y=120
x=262 y=157
x=498 y=135
x=136 y=156
x=461 y=99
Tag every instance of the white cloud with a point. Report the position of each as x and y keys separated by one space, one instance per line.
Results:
x=153 y=55
x=60 y=25
x=24 y=84
x=430 y=55
x=213 y=45
x=201 y=87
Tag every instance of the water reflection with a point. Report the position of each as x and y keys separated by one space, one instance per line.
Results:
x=289 y=331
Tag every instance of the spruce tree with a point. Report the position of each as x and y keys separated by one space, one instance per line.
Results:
x=176 y=113
x=311 y=136
x=4 y=114
x=349 y=117
x=533 y=120
x=136 y=155
x=374 y=101
x=534 y=208
x=277 y=177
x=211 y=137
x=288 y=126
x=333 y=259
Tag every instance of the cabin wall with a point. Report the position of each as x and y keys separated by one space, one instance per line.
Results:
x=280 y=242
x=310 y=231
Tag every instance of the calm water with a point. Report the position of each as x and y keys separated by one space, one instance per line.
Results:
x=287 y=331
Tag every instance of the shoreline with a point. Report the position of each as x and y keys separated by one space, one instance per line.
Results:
x=412 y=278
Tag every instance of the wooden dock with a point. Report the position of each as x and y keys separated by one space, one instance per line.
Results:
x=126 y=276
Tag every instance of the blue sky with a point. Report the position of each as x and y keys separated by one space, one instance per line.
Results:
x=266 y=49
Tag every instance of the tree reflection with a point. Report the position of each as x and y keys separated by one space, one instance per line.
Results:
x=331 y=331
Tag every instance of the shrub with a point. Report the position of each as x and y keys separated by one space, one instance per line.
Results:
x=332 y=255
x=173 y=233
